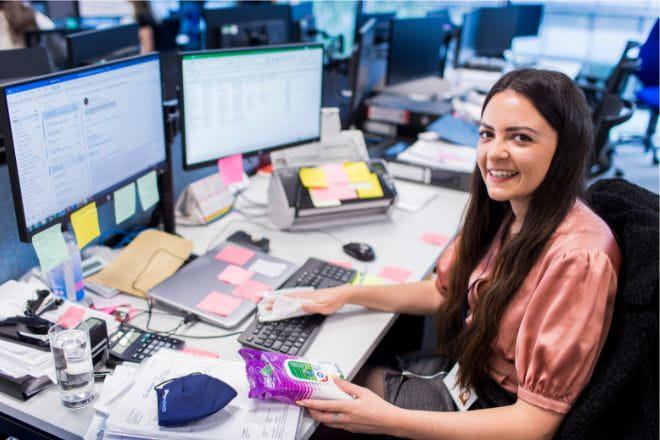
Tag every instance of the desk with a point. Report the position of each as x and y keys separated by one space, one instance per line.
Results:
x=396 y=242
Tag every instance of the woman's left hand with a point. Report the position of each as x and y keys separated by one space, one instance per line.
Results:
x=366 y=413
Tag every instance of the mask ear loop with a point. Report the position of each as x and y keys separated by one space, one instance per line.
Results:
x=165 y=382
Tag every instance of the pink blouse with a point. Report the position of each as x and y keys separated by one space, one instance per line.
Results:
x=554 y=328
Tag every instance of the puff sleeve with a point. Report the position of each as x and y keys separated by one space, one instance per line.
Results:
x=564 y=327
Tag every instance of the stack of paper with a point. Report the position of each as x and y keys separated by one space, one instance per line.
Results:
x=330 y=184
x=440 y=154
x=135 y=415
x=19 y=360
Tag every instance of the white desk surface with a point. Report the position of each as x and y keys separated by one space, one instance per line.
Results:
x=347 y=337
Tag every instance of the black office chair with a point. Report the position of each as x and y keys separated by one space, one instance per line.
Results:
x=611 y=111
x=621 y=399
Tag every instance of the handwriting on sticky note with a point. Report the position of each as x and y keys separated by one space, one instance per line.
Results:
x=235 y=275
x=313 y=177
x=435 y=239
x=374 y=191
x=50 y=247
x=231 y=169
x=85 y=222
x=148 y=190
x=395 y=274
x=124 y=202
x=357 y=171
x=270 y=269
x=71 y=317
x=219 y=303
x=251 y=290
x=234 y=254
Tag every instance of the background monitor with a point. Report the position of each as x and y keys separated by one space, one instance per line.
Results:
x=100 y=45
x=529 y=20
x=363 y=77
x=383 y=20
x=416 y=45
x=76 y=136
x=247 y=25
x=250 y=100
x=486 y=32
x=61 y=10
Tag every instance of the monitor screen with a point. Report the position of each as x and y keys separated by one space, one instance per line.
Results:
x=247 y=25
x=361 y=78
x=383 y=21
x=415 y=47
x=76 y=136
x=487 y=32
x=529 y=20
x=101 y=45
x=250 y=100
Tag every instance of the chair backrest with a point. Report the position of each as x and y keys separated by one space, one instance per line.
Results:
x=621 y=399
x=648 y=54
x=611 y=111
x=628 y=63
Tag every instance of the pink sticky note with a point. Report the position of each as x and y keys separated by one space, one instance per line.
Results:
x=394 y=274
x=234 y=275
x=342 y=192
x=234 y=254
x=335 y=173
x=346 y=264
x=323 y=194
x=73 y=315
x=252 y=290
x=435 y=239
x=219 y=303
x=198 y=352
x=231 y=168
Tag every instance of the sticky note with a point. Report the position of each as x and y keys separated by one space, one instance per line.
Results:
x=234 y=254
x=198 y=352
x=85 y=223
x=219 y=303
x=148 y=190
x=435 y=239
x=231 y=169
x=251 y=290
x=323 y=197
x=124 y=202
x=346 y=264
x=374 y=191
x=335 y=173
x=72 y=316
x=369 y=280
x=313 y=177
x=234 y=275
x=50 y=247
x=268 y=268
x=394 y=274
x=357 y=171
x=342 y=192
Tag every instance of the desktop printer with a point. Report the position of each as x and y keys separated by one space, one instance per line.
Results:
x=289 y=204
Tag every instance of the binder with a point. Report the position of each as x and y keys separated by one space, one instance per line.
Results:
x=429 y=175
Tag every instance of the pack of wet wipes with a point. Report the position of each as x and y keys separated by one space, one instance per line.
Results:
x=278 y=304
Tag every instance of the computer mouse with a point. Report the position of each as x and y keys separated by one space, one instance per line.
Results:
x=360 y=251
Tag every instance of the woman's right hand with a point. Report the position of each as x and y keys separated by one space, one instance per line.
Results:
x=326 y=301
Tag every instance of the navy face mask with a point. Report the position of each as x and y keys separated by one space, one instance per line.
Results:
x=192 y=397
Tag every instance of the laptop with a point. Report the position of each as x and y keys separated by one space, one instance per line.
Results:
x=192 y=285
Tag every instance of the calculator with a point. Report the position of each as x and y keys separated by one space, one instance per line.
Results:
x=132 y=344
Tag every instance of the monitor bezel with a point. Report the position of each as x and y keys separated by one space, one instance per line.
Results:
x=24 y=234
x=182 y=106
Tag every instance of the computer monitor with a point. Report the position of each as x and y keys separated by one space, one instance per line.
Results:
x=247 y=25
x=75 y=136
x=486 y=32
x=529 y=20
x=249 y=100
x=383 y=21
x=101 y=45
x=61 y=10
x=361 y=79
x=416 y=45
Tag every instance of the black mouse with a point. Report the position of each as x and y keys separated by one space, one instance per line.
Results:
x=360 y=251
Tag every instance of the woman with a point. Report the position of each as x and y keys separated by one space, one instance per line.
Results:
x=144 y=16
x=523 y=296
x=16 y=18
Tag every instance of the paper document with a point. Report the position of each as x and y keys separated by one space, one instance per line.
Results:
x=439 y=154
x=151 y=258
x=243 y=418
x=413 y=197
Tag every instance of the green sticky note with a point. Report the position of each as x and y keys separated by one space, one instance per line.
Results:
x=124 y=202
x=50 y=247
x=148 y=190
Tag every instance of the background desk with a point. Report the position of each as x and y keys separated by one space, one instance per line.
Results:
x=347 y=338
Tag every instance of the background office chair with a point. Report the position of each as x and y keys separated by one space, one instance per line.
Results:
x=611 y=111
x=621 y=399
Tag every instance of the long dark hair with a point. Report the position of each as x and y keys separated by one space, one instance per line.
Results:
x=558 y=99
x=20 y=16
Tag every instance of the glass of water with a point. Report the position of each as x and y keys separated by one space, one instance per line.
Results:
x=69 y=343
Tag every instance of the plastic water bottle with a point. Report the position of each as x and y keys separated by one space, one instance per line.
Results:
x=66 y=280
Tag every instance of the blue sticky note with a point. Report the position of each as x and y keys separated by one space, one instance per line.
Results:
x=124 y=202
x=148 y=190
x=50 y=247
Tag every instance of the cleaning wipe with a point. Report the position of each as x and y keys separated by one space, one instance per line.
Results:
x=276 y=376
x=277 y=305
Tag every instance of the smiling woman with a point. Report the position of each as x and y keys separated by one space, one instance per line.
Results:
x=523 y=296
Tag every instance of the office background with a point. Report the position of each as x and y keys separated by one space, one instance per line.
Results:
x=593 y=32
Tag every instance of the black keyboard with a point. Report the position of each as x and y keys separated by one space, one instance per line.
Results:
x=293 y=336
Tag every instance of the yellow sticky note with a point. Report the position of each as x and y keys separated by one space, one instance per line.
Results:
x=369 y=280
x=313 y=178
x=85 y=223
x=375 y=190
x=357 y=171
x=50 y=247
x=124 y=202
x=148 y=190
